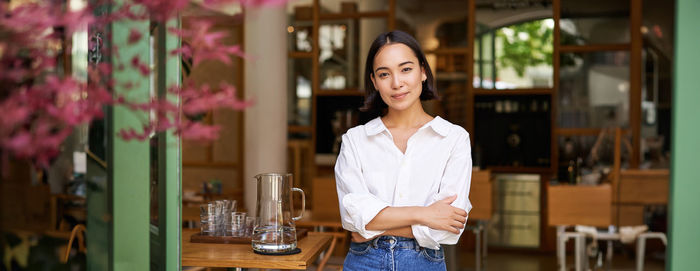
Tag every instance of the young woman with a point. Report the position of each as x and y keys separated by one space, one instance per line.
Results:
x=403 y=178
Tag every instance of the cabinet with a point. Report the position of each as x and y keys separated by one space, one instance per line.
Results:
x=516 y=218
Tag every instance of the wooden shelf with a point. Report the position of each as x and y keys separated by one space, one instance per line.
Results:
x=521 y=91
x=299 y=128
x=507 y=169
x=298 y=54
x=353 y=15
x=209 y=164
x=454 y=50
x=593 y=48
x=451 y=76
x=340 y=92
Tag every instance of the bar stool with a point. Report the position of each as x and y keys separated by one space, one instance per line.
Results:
x=480 y=196
x=641 y=245
x=577 y=205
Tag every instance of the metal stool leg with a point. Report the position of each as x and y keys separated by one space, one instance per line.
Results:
x=561 y=249
x=579 y=251
x=641 y=246
x=484 y=242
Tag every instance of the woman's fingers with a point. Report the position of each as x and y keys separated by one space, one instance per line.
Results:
x=460 y=219
x=455 y=230
x=459 y=211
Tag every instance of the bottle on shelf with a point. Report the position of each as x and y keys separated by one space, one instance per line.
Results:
x=570 y=170
x=579 y=163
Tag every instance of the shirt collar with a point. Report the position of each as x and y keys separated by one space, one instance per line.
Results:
x=439 y=125
x=374 y=127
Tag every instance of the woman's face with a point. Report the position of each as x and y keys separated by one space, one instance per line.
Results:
x=398 y=75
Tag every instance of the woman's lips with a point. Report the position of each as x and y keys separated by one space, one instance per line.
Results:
x=399 y=96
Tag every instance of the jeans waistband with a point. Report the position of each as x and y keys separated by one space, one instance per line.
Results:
x=389 y=241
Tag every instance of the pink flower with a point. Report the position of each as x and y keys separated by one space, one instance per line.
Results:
x=198 y=131
x=273 y=3
x=131 y=133
x=143 y=68
x=134 y=36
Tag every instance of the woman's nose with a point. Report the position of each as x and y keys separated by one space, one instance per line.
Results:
x=395 y=82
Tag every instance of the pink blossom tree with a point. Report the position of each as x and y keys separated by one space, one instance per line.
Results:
x=39 y=107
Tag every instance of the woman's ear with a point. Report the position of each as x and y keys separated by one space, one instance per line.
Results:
x=423 y=77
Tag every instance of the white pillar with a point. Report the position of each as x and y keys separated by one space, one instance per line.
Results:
x=266 y=82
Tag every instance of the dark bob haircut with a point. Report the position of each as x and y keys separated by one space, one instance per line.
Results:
x=373 y=101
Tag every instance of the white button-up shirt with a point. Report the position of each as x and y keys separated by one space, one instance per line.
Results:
x=372 y=174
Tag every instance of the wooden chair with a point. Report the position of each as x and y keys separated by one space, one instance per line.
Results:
x=300 y=161
x=60 y=207
x=636 y=189
x=329 y=252
x=324 y=217
x=620 y=203
x=633 y=189
x=481 y=198
x=577 y=205
x=79 y=232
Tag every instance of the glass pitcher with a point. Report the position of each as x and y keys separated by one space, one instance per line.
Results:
x=275 y=231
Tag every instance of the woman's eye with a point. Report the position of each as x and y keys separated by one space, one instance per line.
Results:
x=407 y=69
x=383 y=75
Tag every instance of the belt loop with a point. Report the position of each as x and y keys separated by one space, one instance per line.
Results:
x=415 y=243
x=375 y=242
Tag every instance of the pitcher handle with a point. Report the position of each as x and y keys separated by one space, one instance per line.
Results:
x=303 y=203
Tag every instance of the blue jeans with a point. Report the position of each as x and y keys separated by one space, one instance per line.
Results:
x=393 y=253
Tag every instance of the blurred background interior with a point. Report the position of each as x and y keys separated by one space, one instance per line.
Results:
x=568 y=103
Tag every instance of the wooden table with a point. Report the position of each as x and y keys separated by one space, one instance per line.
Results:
x=242 y=256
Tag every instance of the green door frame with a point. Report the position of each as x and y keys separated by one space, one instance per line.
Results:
x=684 y=217
x=120 y=235
x=128 y=161
x=166 y=237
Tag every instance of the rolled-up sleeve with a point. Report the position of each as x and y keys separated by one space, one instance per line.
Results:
x=456 y=179
x=357 y=205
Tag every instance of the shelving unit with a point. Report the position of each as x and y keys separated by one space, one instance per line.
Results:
x=321 y=105
x=313 y=16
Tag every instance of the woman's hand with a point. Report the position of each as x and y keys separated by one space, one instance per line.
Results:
x=443 y=216
x=357 y=238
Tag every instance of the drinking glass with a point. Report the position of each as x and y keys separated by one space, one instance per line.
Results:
x=207 y=218
x=238 y=224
